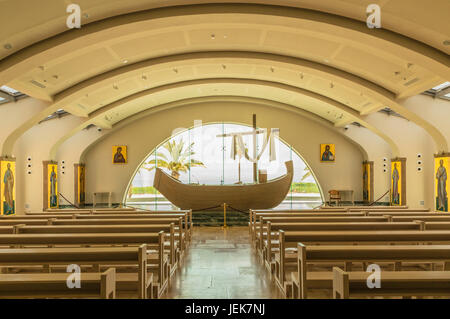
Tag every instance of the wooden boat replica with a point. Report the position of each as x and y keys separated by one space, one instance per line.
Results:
x=242 y=197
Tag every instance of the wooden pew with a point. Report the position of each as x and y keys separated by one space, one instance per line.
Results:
x=134 y=221
x=29 y=217
x=408 y=213
x=290 y=240
x=64 y=210
x=169 y=229
x=12 y=222
x=393 y=283
x=389 y=209
x=437 y=225
x=141 y=280
x=272 y=228
x=323 y=219
x=187 y=218
x=93 y=285
x=154 y=241
x=186 y=214
x=427 y=218
x=256 y=215
x=303 y=279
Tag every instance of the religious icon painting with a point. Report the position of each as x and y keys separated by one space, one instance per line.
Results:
x=7 y=188
x=441 y=170
x=119 y=154
x=398 y=182
x=367 y=182
x=80 y=184
x=327 y=153
x=52 y=184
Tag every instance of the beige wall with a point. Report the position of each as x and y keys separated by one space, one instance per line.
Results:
x=144 y=135
x=302 y=133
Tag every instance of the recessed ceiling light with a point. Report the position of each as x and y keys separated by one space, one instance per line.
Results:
x=125 y=61
x=8 y=46
x=326 y=60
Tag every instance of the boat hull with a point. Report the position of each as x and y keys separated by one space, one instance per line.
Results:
x=240 y=197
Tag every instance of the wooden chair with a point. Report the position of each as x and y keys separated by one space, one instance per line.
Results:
x=334 y=196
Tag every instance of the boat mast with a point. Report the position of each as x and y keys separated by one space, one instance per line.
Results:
x=255 y=163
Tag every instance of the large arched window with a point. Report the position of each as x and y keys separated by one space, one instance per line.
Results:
x=208 y=155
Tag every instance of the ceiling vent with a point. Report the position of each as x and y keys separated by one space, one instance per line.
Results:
x=36 y=83
x=411 y=82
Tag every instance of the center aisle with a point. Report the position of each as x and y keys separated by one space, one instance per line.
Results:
x=221 y=264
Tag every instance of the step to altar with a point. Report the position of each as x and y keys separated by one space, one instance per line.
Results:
x=216 y=218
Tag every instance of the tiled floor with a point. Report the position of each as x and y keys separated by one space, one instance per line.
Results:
x=221 y=264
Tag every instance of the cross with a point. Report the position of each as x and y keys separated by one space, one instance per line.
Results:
x=254 y=132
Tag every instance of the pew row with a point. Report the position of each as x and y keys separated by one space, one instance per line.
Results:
x=140 y=281
x=303 y=279
x=174 y=244
x=393 y=283
x=156 y=256
x=288 y=243
x=271 y=243
x=93 y=285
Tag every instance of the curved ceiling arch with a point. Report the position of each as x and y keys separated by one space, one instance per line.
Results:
x=397 y=16
x=286 y=70
x=401 y=64
x=209 y=99
x=294 y=96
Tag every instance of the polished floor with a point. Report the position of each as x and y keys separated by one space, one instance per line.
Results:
x=221 y=264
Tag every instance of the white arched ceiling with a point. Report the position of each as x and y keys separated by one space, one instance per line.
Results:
x=316 y=104
x=354 y=95
x=394 y=66
x=399 y=16
x=205 y=100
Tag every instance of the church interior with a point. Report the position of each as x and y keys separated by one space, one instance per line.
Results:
x=192 y=149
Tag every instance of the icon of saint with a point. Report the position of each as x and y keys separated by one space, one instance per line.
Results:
x=395 y=178
x=327 y=155
x=8 y=191
x=441 y=176
x=118 y=157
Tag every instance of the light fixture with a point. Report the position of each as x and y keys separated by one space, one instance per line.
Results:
x=8 y=46
x=441 y=86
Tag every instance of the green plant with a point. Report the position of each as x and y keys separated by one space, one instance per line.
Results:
x=176 y=157
x=306 y=174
